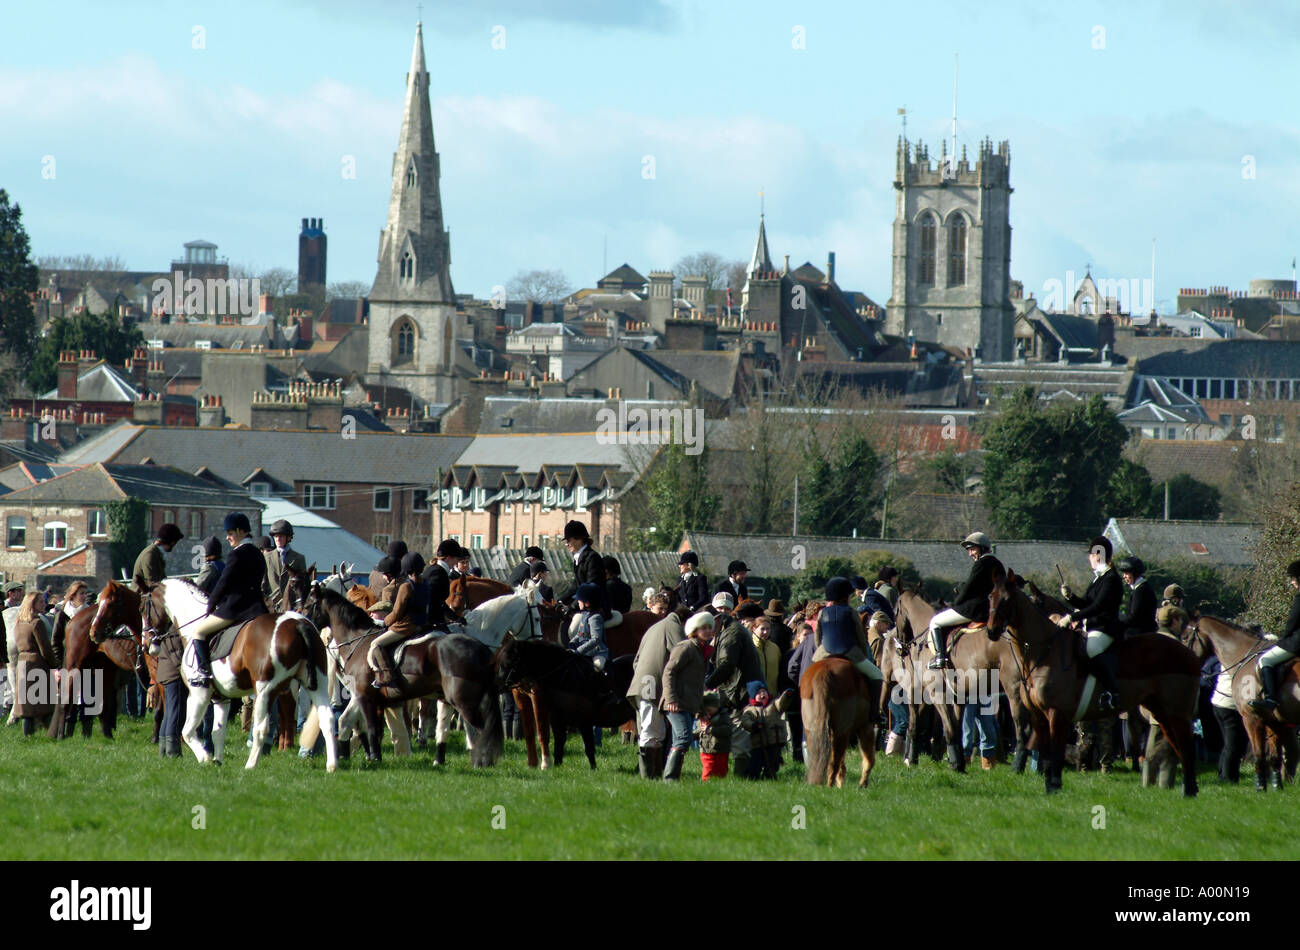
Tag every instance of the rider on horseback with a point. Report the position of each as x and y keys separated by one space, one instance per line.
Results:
x=1098 y=608
x=972 y=601
x=409 y=617
x=839 y=633
x=237 y=596
x=587 y=629
x=1271 y=664
x=438 y=576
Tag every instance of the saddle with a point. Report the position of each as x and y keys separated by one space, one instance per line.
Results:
x=414 y=641
x=219 y=647
x=615 y=618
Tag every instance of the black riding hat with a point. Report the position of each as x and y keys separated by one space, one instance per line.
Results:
x=735 y=567
x=887 y=573
x=611 y=565
x=235 y=521
x=839 y=588
x=389 y=565
x=413 y=563
x=577 y=531
x=1293 y=569
x=533 y=551
x=170 y=534
x=1103 y=543
x=397 y=550
x=539 y=567
x=689 y=557
x=212 y=546
x=1131 y=565
x=448 y=548
x=281 y=527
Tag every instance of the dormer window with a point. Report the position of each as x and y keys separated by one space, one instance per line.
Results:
x=411 y=174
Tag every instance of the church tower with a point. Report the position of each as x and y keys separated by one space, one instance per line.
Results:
x=412 y=303
x=952 y=250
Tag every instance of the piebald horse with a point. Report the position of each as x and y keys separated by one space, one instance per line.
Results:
x=1155 y=671
x=269 y=650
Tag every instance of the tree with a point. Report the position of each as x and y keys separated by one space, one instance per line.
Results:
x=1128 y=493
x=1188 y=499
x=539 y=286
x=19 y=279
x=127 y=532
x=842 y=492
x=347 y=289
x=276 y=281
x=1269 y=595
x=105 y=334
x=678 y=497
x=736 y=275
x=1047 y=471
x=706 y=264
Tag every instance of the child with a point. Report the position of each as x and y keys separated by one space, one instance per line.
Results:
x=714 y=730
x=378 y=611
x=762 y=718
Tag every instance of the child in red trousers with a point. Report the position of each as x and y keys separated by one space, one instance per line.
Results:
x=714 y=731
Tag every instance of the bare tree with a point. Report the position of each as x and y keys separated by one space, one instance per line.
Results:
x=704 y=264
x=347 y=289
x=539 y=286
x=80 y=269
x=277 y=281
x=736 y=279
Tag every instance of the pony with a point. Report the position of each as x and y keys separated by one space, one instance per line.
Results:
x=836 y=704
x=92 y=641
x=1236 y=647
x=268 y=651
x=1156 y=671
x=570 y=686
x=453 y=667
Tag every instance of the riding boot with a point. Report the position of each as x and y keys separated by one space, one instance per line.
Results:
x=644 y=757
x=657 y=755
x=440 y=754
x=673 y=767
x=204 y=675
x=1165 y=776
x=939 y=641
x=29 y=726
x=1103 y=667
x=384 y=676
x=173 y=747
x=1266 y=702
x=875 y=690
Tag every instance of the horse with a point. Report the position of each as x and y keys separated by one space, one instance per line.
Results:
x=836 y=704
x=570 y=686
x=1154 y=671
x=92 y=642
x=453 y=667
x=1236 y=647
x=268 y=651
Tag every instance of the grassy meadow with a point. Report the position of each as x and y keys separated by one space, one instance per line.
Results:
x=95 y=799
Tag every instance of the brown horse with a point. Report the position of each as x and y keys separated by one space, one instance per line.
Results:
x=836 y=705
x=1155 y=671
x=1238 y=649
x=268 y=651
x=91 y=643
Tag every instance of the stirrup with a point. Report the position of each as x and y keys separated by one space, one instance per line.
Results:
x=938 y=663
x=1106 y=701
x=1264 y=704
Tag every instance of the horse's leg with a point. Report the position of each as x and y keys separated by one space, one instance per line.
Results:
x=543 y=728
x=951 y=721
x=446 y=713
x=324 y=713
x=1291 y=750
x=287 y=708
x=911 y=750
x=560 y=731
x=195 y=706
x=1058 y=725
x=867 y=745
x=1257 y=732
x=1180 y=736
x=374 y=732
x=261 y=719
x=219 y=713
x=589 y=744
x=528 y=724
x=428 y=724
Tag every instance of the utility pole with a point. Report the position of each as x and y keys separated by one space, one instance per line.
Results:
x=438 y=488
x=1166 y=501
x=794 y=532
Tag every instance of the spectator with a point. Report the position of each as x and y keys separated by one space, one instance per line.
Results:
x=735 y=663
x=805 y=644
x=646 y=596
x=761 y=719
x=1230 y=725
x=644 y=690
x=714 y=730
x=34 y=655
x=683 y=688
x=782 y=635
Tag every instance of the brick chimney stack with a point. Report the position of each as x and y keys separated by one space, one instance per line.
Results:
x=155 y=376
x=68 y=374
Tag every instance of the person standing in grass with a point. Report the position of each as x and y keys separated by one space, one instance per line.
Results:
x=762 y=720
x=683 y=688
x=35 y=660
x=714 y=730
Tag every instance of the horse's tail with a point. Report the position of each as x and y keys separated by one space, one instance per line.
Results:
x=315 y=648
x=817 y=724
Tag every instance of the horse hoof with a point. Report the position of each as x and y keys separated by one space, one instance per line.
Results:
x=331 y=768
x=216 y=762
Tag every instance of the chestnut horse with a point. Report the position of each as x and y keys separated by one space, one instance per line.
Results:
x=268 y=651
x=1155 y=671
x=836 y=705
x=1238 y=649
x=92 y=642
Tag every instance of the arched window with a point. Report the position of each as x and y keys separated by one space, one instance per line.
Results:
x=928 y=232
x=446 y=343
x=403 y=348
x=407 y=267
x=410 y=174
x=957 y=252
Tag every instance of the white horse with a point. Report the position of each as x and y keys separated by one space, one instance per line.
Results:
x=184 y=604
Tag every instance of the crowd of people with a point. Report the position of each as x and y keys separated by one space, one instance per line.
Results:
x=717 y=670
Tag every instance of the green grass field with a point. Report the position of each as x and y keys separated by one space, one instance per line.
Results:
x=95 y=799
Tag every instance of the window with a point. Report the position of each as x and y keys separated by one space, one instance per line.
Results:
x=957 y=252
x=1216 y=389
x=96 y=523
x=524 y=541
x=16 y=531
x=56 y=536
x=406 y=340
x=1202 y=389
x=476 y=541
x=202 y=344
x=1194 y=331
x=407 y=268
x=528 y=506
x=196 y=524
x=927 y=249
x=509 y=507
x=318 y=496
x=259 y=490
x=169 y=517
x=420 y=499
x=505 y=541
x=1229 y=389
x=456 y=538
x=380 y=541
x=383 y=500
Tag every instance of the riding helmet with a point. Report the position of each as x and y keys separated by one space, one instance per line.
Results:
x=612 y=567
x=265 y=543
x=576 y=531
x=397 y=550
x=282 y=527
x=887 y=574
x=978 y=539
x=539 y=567
x=689 y=557
x=170 y=534
x=235 y=521
x=1131 y=565
x=1293 y=569
x=212 y=546
x=859 y=582
x=735 y=567
x=413 y=563
x=533 y=551
x=1104 y=544
x=1167 y=614
x=589 y=593
x=838 y=588
x=389 y=565
x=448 y=549
x=1172 y=591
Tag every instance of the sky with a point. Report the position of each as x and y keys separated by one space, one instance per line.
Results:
x=650 y=127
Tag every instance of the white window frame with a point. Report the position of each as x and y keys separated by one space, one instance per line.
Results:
x=9 y=528
x=476 y=542
x=310 y=491
x=196 y=533
x=92 y=522
x=415 y=494
x=524 y=541
x=374 y=499
x=54 y=526
x=259 y=490
x=505 y=541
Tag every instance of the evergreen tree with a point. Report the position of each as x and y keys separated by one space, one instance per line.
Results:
x=106 y=334
x=18 y=281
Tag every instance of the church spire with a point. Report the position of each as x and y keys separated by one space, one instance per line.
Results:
x=761 y=260
x=414 y=249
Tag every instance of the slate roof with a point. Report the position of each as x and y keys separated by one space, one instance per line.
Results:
x=1210 y=461
x=100 y=383
x=714 y=370
x=223 y=337
x=154 y=484
x=936 y=384
x=1240 y=359
x=1074 y=332
x=287 y=455
x=25 y=474
x=573 y=414
x=1222 y=543
x=626 y=274
x=528 y=453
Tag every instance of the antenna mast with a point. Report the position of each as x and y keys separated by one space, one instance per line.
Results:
x=953 y=159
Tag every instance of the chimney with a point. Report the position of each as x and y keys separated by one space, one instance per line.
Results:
x=148 y=410
x=139 y=364
x=830 y=267
x=67 y=375
x=264 y=302
x=155 y=376
x=212 y=414
x=85 y=360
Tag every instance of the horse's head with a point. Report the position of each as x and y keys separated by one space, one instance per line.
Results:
x=506 y=663
x=116 y=606
x=1192 y=638
x=458 y=594
x=156 y=620
x=1002 y=603
x=312 y=608
x=296 y=587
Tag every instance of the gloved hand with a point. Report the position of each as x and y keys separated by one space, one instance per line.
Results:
x=1066 y=592
x=1065 y=621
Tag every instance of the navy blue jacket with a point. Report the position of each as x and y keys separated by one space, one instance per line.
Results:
x=1141 y=614
x=693 y=591
x=238 y=592
x=800 y=659
x=1098 y=608
x=1290 y=639
x=838 y=628
x=874 y=600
